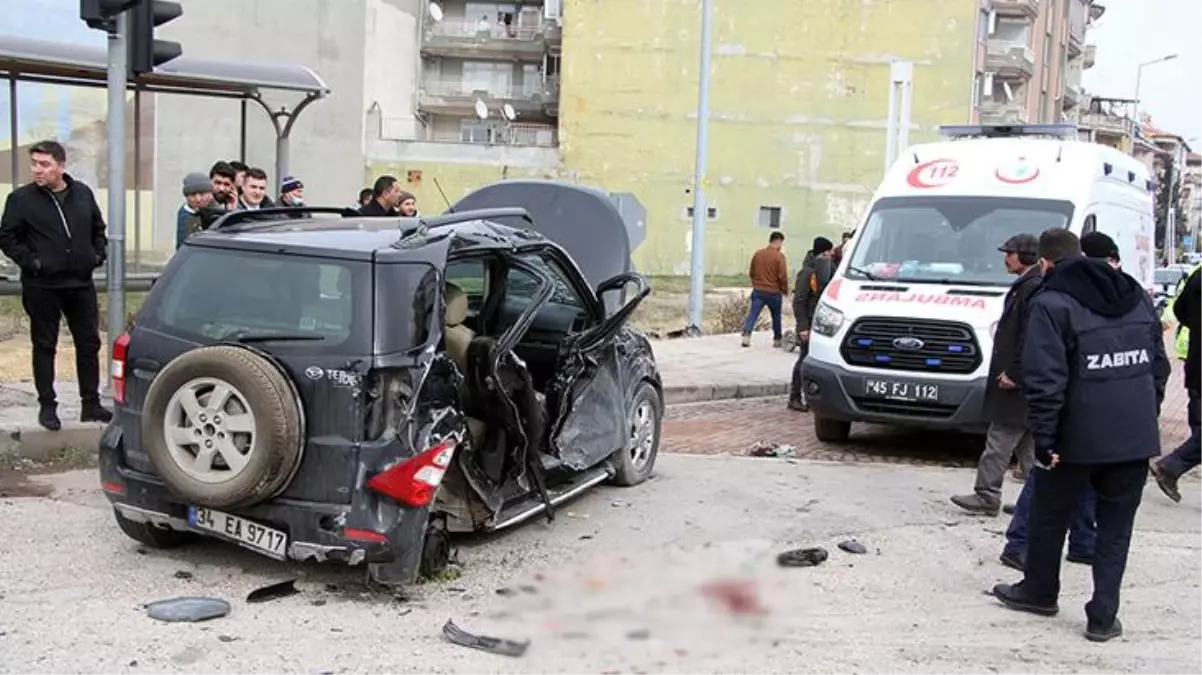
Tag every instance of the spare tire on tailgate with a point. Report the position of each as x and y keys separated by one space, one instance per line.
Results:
x=222 y=426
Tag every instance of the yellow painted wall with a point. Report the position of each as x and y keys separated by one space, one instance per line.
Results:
x=799 y=94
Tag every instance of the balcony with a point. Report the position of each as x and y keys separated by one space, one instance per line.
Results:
x=1105 y=123
x=463 y=39
x=998 y=112
x=514 y=145
x=1073 y=95
x=1010 y=60
x=1028 y=9
x=1090 y=56
x=456 y=97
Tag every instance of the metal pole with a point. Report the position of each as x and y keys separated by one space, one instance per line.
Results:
x=242 y=135
x=137 y=179
x=116 y=186
x=13 y=129
x=700 y=211
x=905 y=75
x=281 y=157
x=891 y=124
x=1135 y=130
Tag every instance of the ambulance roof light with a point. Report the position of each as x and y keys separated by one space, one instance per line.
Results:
x=1065 y=131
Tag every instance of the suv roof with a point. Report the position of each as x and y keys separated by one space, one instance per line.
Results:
x=355 y=237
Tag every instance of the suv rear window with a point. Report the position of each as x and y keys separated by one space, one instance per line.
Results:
x=213 y=294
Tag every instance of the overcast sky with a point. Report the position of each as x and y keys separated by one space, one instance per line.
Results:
x=1135 y=31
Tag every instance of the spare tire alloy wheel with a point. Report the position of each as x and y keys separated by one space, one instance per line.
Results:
x=210 y=430
x=221 y=425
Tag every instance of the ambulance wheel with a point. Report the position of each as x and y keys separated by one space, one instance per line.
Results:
x=831 y=431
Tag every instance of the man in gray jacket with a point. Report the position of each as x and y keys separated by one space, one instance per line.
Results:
x=815 y=274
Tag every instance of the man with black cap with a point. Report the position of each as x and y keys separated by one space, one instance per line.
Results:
x=1094 y=374
x=816 y=271
x=1004 y=405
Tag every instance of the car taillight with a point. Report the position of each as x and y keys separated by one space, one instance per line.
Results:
x=415 y=481
x=120 y=350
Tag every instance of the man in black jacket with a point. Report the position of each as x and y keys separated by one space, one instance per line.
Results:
x=1094 y=373
x=1188 y=455
x=815 y=274
x=387 y=196
x=52 y=229
x=1004 y=404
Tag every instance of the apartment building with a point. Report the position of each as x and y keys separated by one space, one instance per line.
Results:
x=1030 y=58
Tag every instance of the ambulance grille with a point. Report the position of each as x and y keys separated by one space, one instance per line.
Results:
x=923 y=345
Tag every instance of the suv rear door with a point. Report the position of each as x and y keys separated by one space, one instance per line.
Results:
x=319 y=308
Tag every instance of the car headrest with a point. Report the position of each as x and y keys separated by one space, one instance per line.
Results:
x=456 y=305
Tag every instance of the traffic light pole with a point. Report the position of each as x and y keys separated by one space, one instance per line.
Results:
x=115 y=273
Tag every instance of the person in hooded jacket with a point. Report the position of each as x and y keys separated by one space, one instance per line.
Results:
x=815 y=274
x=1095 y=371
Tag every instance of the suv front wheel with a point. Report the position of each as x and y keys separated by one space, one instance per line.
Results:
x=222 y=427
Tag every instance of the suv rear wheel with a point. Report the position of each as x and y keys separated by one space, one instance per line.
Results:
x=151 y=535
x=222 y=427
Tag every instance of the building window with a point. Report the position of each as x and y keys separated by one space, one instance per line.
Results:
x=711 y=213
x=770 y=217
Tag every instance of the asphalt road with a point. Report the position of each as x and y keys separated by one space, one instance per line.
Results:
x=612 y=586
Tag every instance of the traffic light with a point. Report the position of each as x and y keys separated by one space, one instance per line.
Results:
x=101 y=14
x=145 y=52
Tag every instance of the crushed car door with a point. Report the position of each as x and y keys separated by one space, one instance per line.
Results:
x=590 y=400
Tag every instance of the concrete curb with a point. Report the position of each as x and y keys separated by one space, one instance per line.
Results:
x=701 y=393
x=38 y=444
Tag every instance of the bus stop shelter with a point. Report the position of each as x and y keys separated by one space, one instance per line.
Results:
x=28 y=60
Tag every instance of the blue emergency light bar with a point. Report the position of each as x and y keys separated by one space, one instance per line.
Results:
x=1008 y=130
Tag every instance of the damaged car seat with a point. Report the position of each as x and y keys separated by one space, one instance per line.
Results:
x=457 y=337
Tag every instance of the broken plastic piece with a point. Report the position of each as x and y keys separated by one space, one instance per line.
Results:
x=803 y=557
x=484 y=643
x=273 y=592
x=767 y=449
x=853 y=546
x=188 y=609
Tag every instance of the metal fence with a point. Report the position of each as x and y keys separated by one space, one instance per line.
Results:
x=454 y=28
x=499 y=89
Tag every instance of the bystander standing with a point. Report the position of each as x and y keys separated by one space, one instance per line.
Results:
x=769 y=276
x=811 y=281
x=52 y=229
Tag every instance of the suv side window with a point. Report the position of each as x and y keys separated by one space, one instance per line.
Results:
x=565 y=311
x=471 y=276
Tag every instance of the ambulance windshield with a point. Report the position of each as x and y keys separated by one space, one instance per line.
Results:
x=948 y=240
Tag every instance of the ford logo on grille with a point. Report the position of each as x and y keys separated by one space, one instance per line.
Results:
x=908 y=343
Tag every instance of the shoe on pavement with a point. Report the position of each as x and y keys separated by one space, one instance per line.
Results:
x=1011 y=595
x=48 y=418
x=94 y=412
x=1080 y=559
x=1008 y=509
x=1011 y=560
x=1167 y=480
x=746 y=340
x=974 y=504
x=799 y=406
x=1095 y=633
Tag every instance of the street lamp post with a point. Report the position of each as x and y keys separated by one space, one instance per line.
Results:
x=1139 y=74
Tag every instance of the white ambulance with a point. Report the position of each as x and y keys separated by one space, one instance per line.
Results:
x=904 y=332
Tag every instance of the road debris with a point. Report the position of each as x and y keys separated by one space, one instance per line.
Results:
x=188 y=609
x=853 y=546
x=273 y=592
x=803 y=557
x=505 y=591
x=767 y=449
x=736 y=596
x=639 y=634
x=484 y=643
x=182 y=574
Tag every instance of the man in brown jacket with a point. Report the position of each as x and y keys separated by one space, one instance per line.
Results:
x=769 y=285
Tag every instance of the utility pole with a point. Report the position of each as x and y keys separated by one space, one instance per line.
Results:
x=115 y=273
x=897 y=129
x=700 y=207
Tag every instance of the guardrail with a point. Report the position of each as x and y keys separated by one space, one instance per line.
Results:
x=136 y=283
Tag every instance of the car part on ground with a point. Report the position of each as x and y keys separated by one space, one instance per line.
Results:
x=803 y=557
x=274 y=591
x=484 y=643
x=188 y=609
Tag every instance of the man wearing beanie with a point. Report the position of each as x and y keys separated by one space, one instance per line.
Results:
x=769 y=283
x=198 y=194
x=292 y=192
x=816 y=272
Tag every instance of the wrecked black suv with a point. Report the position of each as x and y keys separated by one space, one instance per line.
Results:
x=316 y=385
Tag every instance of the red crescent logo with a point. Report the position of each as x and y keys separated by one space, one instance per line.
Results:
x=932 y=174
x=1018 y=174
